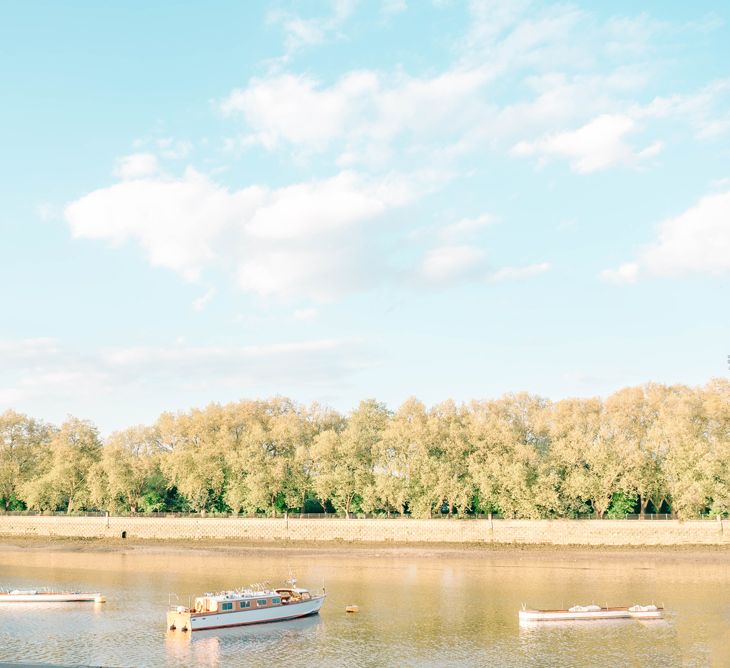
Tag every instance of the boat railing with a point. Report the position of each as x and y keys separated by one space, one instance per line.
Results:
x=173 y=603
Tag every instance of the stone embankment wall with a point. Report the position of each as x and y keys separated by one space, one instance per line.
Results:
x=547 y=532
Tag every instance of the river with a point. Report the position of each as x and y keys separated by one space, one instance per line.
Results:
x=416 y=609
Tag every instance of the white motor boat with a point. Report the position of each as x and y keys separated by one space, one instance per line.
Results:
x=592 y=612
x=243 y=607
x=39 y=596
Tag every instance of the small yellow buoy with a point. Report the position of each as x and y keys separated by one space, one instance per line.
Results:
x=352 y=608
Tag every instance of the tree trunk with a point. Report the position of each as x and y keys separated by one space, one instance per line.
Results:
x=643 y=505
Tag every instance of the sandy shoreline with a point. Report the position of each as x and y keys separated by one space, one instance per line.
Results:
x=705 y=554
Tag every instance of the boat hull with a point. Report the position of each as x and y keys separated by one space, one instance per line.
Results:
x=48 y=597
x=530 y=616
x=186 y=621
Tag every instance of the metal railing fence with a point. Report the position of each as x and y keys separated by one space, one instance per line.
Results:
x=326 y=516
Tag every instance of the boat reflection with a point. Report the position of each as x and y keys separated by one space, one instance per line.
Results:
x=529 y=627
x=203 y=648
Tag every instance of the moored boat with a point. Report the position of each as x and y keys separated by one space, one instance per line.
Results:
x=243 y=607
x=37 y=596
x=592 y=612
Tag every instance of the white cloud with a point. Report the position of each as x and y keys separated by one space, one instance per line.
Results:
x=209 y=356
x=449 y=263
x=577 y=79
x=177 y=222
x=301 y=32
x=599 y=144
x=514 y=34
x=32 y=348
x=705 y=110
x=452 y=263
x=137 y=166
x=37 y=368
x=466 y=228
x=721 y=184
x=306 y=209
x=696 y=241
x=44 y=377
x=320 y=274
x=302 y=240
x=319 y=239
x=362 y=112
x=520 y=273
x=201 y=302
x=628 y=272
x=314 y=121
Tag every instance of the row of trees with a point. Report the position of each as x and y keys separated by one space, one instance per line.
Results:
x=654 y=448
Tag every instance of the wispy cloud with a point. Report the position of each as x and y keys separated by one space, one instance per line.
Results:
x=466 y=228
x=393 y=7
x=569 y=106
x=200 y=303
x=446 y=264
x=301 y=32
x=599 y=144
x=628 y=272
x=519 y=273
x=46 y=375
x=137 y=166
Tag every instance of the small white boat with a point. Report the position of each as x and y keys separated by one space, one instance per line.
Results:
x=36 y=596
x=592 y=612
x=243 y=607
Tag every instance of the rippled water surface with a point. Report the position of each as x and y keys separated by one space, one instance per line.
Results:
x=437 y=610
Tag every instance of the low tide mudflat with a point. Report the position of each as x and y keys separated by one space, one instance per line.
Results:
x=419 y=605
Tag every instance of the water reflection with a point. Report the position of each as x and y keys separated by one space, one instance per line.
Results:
x=417 y=611
x=206 y=648
x=528 y=627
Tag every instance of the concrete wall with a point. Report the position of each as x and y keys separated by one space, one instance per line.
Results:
x=558 y=532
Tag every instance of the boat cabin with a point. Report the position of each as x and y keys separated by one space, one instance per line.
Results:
x=248 y=600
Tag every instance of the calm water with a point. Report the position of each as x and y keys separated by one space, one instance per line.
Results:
x=414 y=611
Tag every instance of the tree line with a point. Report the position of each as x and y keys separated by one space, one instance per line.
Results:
x=654 y=448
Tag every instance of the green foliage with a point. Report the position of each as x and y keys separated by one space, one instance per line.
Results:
x=622 y=504
x=12 y=504
x=518 y=456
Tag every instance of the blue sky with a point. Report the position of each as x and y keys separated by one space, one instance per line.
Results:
x=340 y=200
